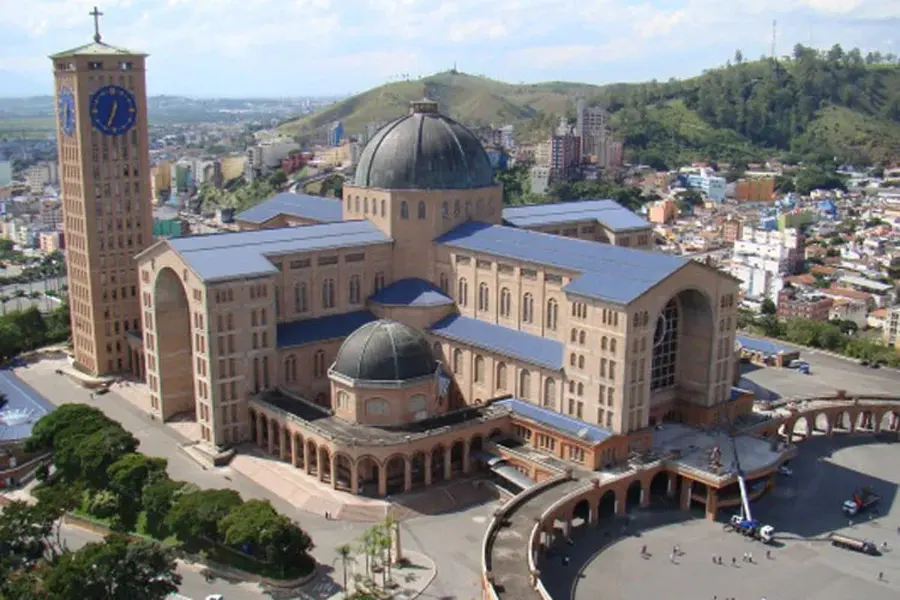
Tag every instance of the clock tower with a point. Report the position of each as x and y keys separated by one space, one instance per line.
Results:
x=102 y=142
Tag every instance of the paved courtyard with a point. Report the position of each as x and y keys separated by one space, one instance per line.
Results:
x=451 y=539
x=804 y=508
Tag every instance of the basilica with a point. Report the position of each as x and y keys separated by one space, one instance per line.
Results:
x=416 y=329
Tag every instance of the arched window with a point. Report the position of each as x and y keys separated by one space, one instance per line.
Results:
x=665 y=348
x=580 y=389
x=612 y=345
x=444 y=283
x=552 y=314
x=645 y=319
x=343 y=400
x=458 y=361
x=319 y=363
x=501 y=376
x=366 y=206
x=527 y=308
x=456 y=208
x=328 y=293
x=582 y=338
x=421 y=209
x=462 y=295
x=479 y=206
x=290 y=369
x=573 y=336
x=483 y=297
x=354 y=289
x=445 y=210
x=301 y=300
x=581 y=362
x=379 y=281
x=468 y=208
x=604 y=343
x=417 y=403
x=479 y=369
x=505 y=301
x=524 y=384
x=349 y=204
x=377 y=406
x=438 y=350
x=383 y=208
x=573 y=358
x=550 y=392
x=357 y=204
x=404 y=210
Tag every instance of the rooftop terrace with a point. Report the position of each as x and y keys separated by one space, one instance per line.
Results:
x=608 y=213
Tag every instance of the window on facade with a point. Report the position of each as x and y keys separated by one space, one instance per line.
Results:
x=343 y=400
x=501 y=376
x=550 y=392
x=301 y=302
x=457 y=361
x=612 y=345
x=581 y=362
x=665 y=348
x=573 y=337
x=505 y=302
x=290 y=369
x=444 y=283
x=582 y=338
x=525 y=384
x=319 y=363
x=421 y=213
x=456 y=208
x=445 y=210
x=462 y=293
x=478 y=376
x=483 y=297
x=527 y=308
x=404 y=210
x=383 y=208
x=438 y=351
x=379 y=281
x=354 y=291
x=377 y=406
x=328 y=293
x=552 y=314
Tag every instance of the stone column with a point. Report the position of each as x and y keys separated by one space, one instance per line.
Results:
x=271 y=432
x=259 y=429
x=448 y=467
x=428 y=468
x=407 y=474
x=467 y=466
x=310 y=459
x=670 y=486
x=354 y=478
x=645 y=496
x=876 y=423
x=686 y=485
x=332 y=467
x=712 y=504
x=382 y=482
x=293 y=449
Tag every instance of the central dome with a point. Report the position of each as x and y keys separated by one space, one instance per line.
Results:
x=424 y=150
x=385 y=350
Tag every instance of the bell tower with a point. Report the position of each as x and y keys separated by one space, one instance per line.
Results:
x=103 y=148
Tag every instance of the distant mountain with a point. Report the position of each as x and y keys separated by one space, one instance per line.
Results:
x=13 y=85
x=467 y=98
x=820 y=105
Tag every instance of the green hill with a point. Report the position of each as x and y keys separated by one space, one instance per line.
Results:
x=467 y=98
x=814 y=105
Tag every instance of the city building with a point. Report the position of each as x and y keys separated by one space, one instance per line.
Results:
x=761 y=259
x=706 y=181
x=41 y=175
x=540 y=179
x=265 y=157
x=336 y=133
x=891 y=331
x=793 y=302
x=51 y=241
x=51 y=214
x=504 y=137
x=161 y=180
x=565 y=152
x=732 y=230
x=663 y=211
x=755 y=189
x=855 y=311
x=391 y=349
x=104 y=156
x=591 y=127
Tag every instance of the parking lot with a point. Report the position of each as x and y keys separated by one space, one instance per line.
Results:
x=803 y=508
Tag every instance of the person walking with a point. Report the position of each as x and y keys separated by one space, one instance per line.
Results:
x=644 y=550
x=733 y=561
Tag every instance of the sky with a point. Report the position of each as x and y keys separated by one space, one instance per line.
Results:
x=271 y=48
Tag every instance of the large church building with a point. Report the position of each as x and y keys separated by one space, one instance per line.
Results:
x=389 y=339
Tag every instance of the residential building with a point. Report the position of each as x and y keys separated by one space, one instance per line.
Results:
x=161 y=180
x=41 y=175
x=732 y=230
x=382 y=351
x=51 y=241
x=540 y=178
x=761 y=258
x=565 y=152
x=106 y=197
x=591 y=127
x=706 y=181
x=891 y=333
x=504 y=137
x=663 y=211
x=845 y=309
x=797 y=303
x=336 y=134
x=755 y=189
x=263 y=158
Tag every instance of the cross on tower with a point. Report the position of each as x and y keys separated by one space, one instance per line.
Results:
x=96 y=14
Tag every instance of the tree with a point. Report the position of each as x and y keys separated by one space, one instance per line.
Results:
x=115 y=569
x=257 y=529
x=768 y=307
x=157 y=500
x=99 y=450
x=345 y=553
x=196 y=515
x=127 y=478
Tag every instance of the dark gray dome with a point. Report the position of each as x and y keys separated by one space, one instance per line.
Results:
x=424 y=150
x=385 y=350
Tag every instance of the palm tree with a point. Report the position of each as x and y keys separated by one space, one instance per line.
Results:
x=345 y=554
x=390 y=523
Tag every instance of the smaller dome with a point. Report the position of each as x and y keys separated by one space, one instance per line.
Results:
x=385 y=350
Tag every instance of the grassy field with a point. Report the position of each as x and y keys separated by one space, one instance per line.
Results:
x=30 y=127
x=836 y=126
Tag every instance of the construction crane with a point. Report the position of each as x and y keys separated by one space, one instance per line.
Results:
x=744 y=523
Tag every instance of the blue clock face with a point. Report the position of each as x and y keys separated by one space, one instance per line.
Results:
x=113 y=110
x=66 y=109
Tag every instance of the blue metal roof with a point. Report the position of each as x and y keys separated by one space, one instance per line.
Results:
x=763 y=346
x=608 y=272
x=608 y=213
x=23 y=408
x=411 y=292
x=307 y=331
x=304 y=206
x=513 y=343
x=554 y=420
x=244 y=254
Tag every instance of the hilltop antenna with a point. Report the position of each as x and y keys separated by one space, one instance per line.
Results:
x=774 y=34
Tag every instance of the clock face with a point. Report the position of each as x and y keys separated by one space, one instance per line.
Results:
x=66 y=110
x=113 y=110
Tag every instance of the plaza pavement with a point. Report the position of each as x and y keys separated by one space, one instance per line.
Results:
x=451 y=539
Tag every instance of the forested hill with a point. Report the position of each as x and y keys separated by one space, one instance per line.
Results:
x=813 y=105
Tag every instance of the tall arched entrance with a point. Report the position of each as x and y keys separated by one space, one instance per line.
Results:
x=172 y=320
x=683 y=345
